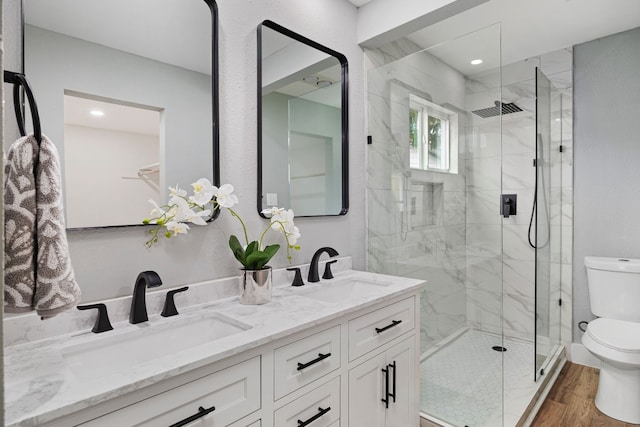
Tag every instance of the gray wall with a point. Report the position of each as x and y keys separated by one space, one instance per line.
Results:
x=183 y=96
x=107 y=261
x=607 y=155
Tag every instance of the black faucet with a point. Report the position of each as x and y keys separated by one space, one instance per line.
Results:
x=146 y=279
x=313 y=268
x=102 y=320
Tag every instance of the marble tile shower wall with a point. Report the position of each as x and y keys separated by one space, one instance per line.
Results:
x=506 y=286
x=396 y=245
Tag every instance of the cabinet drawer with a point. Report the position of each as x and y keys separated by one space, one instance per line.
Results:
x=381 y=326
x=234 y=391
x=320 y=408
x=303 y=361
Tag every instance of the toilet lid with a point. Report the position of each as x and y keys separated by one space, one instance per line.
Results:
x=616 y=334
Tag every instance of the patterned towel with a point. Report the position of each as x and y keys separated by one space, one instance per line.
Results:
x=48 y=286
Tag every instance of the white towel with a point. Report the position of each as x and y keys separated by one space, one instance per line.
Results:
x=29 y=223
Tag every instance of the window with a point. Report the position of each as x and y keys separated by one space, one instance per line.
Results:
x=433 y=136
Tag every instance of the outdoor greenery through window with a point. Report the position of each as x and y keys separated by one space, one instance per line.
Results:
x=432 y=136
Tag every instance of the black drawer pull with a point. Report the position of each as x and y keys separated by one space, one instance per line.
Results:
x=393 y=380
x=201 y=413
x=386 y=386
x=320 y=358
x=393 y=323
x=320 y=413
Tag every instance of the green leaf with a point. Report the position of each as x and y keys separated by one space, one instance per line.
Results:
x=252 y=247
x=259 y=259
x=237 y=249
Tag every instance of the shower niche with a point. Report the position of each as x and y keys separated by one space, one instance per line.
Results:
x=425 y=204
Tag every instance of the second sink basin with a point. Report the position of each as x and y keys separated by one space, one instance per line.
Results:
x=109 y=354
x=344 y=288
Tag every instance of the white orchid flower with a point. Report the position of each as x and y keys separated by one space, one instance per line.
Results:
x=203 y=192
x=182 y=212
x=282 y=219
x=157 y=211
x=224 y=196
x=177 y=227
x=293 y=234
x=177 y=191
x=273 y=211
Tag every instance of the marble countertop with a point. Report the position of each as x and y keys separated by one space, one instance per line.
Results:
x=41 y=385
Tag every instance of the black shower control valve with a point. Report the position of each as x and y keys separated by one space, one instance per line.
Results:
x=169 y=308
x=297 y=279
x=327 y=269
x=508 y=204
x=102 y=321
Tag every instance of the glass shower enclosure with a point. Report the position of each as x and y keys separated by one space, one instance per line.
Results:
x=449 y=138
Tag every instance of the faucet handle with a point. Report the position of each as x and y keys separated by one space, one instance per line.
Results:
x=169 y=308
x=102 y=322
x=327 y=269
x=297 y=279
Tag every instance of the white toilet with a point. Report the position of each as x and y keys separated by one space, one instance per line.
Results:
x=614 y=338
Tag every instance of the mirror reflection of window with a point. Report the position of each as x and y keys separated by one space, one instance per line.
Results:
x=111 y=161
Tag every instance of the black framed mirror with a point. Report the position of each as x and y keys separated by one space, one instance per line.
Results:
x=302 y=124
x=128 y=92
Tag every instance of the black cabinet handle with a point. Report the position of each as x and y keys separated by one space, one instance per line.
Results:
x=393 y=380
x=320 y=413
x=391 y=325
x=320 y=357
x=201 y=413
x=386 y=386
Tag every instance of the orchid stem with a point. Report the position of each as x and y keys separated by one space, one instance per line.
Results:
x=244 y=227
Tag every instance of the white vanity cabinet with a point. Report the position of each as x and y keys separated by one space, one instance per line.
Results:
x=355 y=366
x=383 y=380
x=382 y=390
x=217 y=399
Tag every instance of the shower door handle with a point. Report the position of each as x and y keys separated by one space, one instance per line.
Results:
x=386 y=386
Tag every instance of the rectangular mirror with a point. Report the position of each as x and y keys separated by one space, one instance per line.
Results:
x=302 y=124
x=128 y=92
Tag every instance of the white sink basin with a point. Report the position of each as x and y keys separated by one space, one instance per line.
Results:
x=114 y=353
x=341 y=289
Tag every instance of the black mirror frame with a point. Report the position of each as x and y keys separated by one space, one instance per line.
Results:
x=215 y=99
x=344 y=113
x=215 y=105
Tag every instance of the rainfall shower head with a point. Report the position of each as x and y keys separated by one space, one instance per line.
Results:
x=507 y=108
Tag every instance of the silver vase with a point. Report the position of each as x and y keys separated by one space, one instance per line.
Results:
x=255 y=286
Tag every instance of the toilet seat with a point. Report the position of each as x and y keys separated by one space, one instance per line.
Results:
x=618 y=335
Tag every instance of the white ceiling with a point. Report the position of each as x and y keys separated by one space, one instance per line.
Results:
x=529 y=28
x=176 y=32
x=117 y=117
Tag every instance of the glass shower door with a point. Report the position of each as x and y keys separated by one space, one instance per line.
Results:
x=542 y=240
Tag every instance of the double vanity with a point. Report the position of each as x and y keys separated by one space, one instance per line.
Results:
x=334 y=353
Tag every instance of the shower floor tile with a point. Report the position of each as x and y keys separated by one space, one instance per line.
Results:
x=461 y=383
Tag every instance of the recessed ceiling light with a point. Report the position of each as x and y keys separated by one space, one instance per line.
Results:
x=476 y=62
x=97 y=113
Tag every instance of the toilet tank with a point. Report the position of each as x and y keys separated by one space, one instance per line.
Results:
x=614 y=287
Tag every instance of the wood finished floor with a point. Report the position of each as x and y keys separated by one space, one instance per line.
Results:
x=570 y=401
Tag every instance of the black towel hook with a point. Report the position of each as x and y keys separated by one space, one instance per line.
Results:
x=18 y=80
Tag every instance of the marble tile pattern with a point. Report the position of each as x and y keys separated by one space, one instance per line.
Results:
x=40 y=386
x=479 y=265
x=396 y=245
